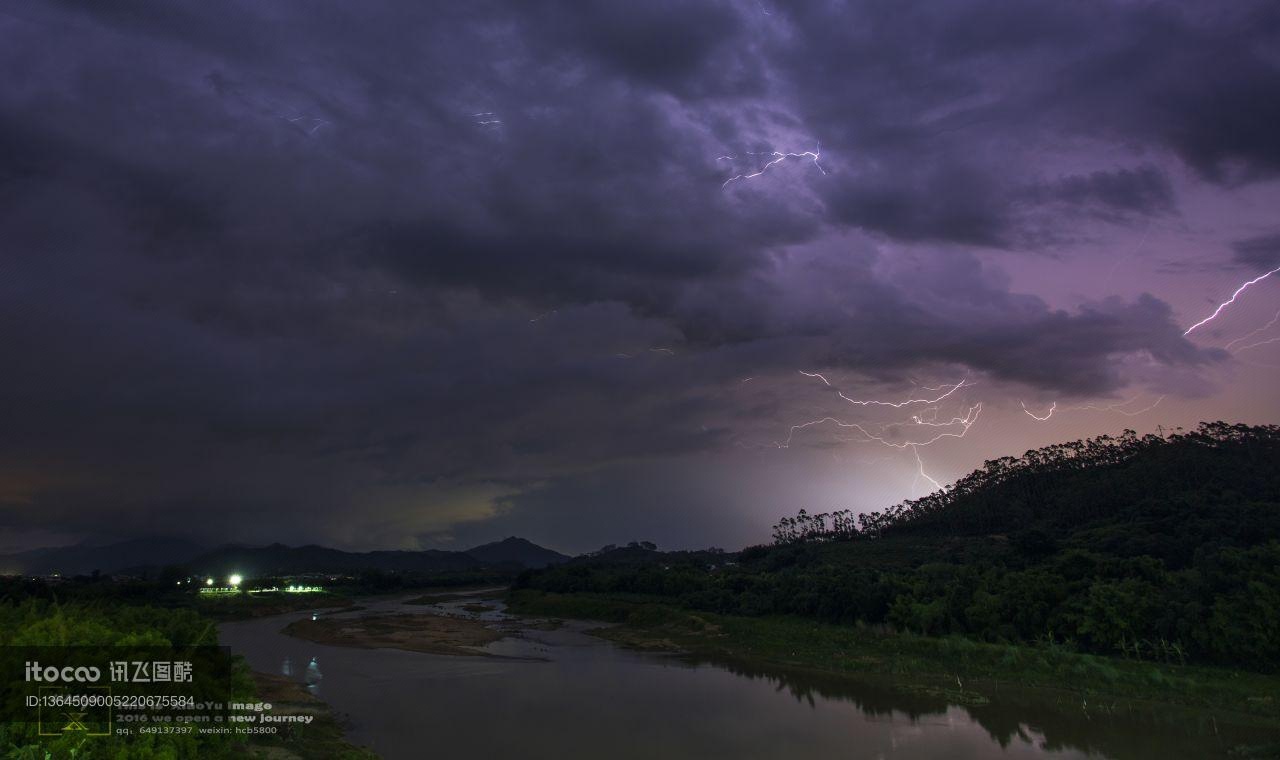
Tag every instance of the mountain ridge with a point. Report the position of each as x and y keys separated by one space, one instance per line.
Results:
x=136 y=556
x=514 y=549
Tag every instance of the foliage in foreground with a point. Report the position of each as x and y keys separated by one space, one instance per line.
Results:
x=41 y=623
x=110 y=622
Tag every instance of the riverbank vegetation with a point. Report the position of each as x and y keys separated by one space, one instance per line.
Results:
x=963 y=670
x=1146 y=548
x=1113 y=564
x=102 y=632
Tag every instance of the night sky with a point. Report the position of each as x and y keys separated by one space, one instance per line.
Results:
x=422 y=275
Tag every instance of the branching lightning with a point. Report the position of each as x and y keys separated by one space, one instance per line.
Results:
x=920 y=473
x=315 y=123
x=1116 y=407
x=655 y=350
x=1037 y=417
x=1259 y=343
x=776 y=157
x=964 y=423
x=1245 y=337
x=928 y=417
x=950 y=389
x=956 y=427
x=817 y=375
x=1230 y=300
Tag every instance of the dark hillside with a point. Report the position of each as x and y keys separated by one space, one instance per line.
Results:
x=516 y=551
x=1149 y=547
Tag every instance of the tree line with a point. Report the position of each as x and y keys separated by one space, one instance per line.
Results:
x=1154 y=547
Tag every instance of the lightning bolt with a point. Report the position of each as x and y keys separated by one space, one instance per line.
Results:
x=1264 y=328
x=1231 y=300
x=933 y=420
x=926 y=387
x=316 y=123
x=1035 y=416
x=899 y=404
x=920 y=473
x=817 y=375
x=964 y=422
x=1116 y=407
x=1259 y=343
x=657 y=350
x=777 y=158
x=956 y=427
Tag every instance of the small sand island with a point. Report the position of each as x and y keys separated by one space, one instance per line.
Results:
x=435 y=634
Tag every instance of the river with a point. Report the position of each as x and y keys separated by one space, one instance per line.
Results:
x=565 y=694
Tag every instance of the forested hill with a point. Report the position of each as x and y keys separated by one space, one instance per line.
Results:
x=1151 y=495
x=1163 y=547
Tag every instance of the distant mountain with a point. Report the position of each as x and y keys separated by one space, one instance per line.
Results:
x=83 y=559
x=140 y=555
x=278 y=559
x=517 y=551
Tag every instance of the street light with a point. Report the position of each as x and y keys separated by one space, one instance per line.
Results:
x=235 y=580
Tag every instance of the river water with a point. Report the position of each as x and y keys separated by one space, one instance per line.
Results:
x=565 y=694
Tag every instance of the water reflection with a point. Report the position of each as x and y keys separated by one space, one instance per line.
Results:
x=313 y=676
x=564 y=694
x=1053 y=721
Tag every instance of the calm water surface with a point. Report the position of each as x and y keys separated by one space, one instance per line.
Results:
x=564 y=694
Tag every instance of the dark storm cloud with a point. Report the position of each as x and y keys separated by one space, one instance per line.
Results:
x=681 y=47
x=1142 y=190
x=935 y=103
x=866 y=314
x=1261 y=253
x=382 y=264
x=956 y=204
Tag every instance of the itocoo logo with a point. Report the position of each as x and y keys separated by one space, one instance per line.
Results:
x=52 y=674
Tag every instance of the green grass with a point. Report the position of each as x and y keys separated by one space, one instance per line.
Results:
x=925 y=662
